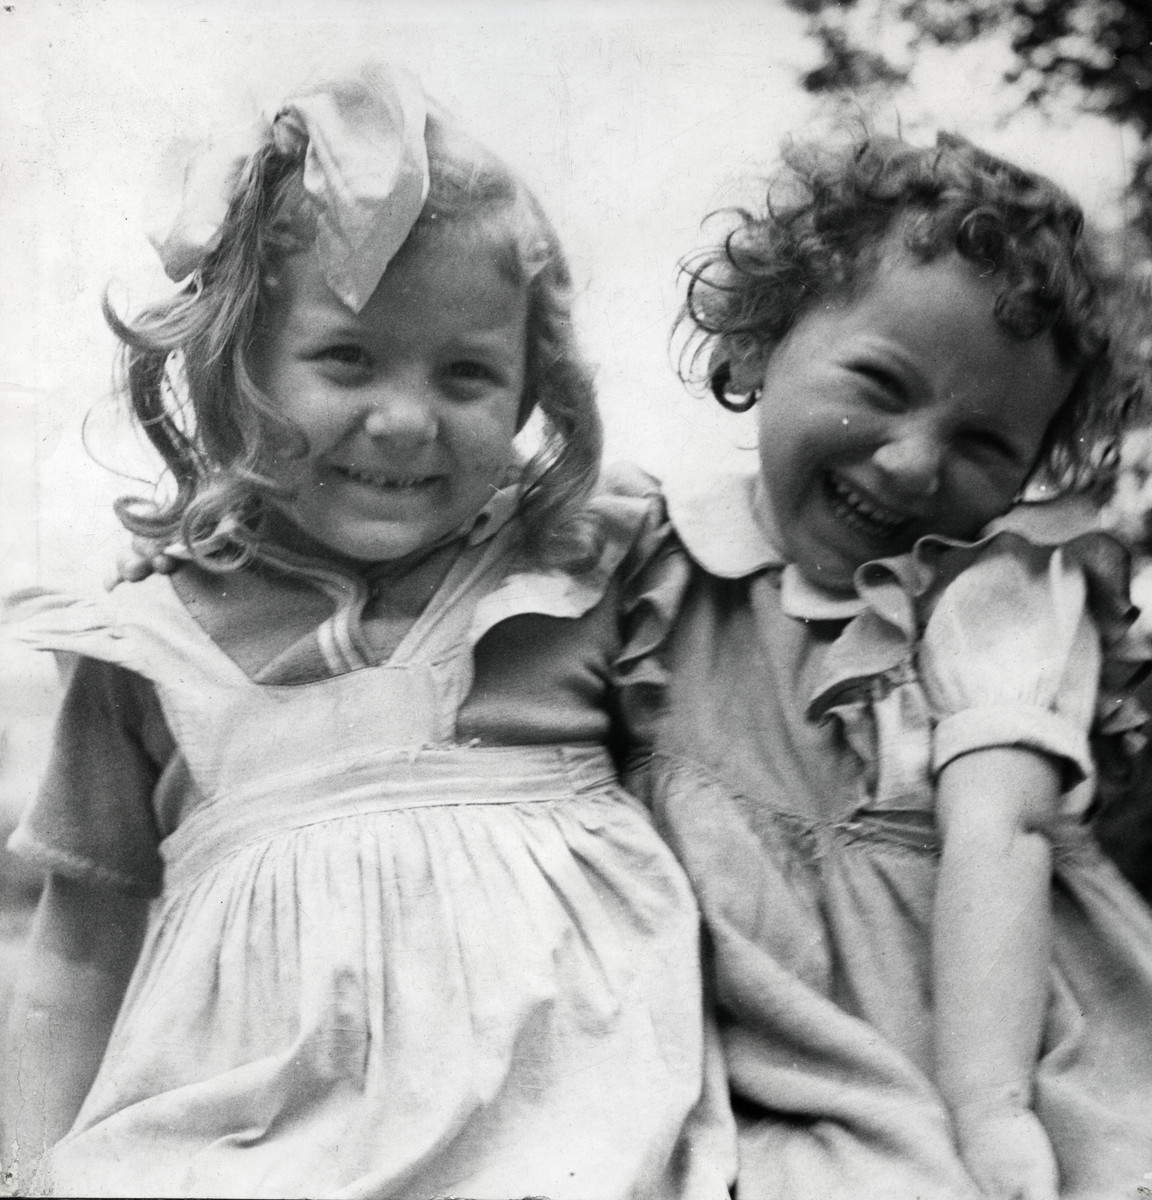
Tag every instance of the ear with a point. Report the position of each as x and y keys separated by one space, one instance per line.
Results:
x=748 y=372
x=747 y=361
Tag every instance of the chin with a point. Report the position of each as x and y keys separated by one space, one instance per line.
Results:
x=828 y=571
x=363 y=549
x=837 y=581
x=378 y=552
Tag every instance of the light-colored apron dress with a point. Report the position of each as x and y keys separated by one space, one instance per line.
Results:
x=385 y=964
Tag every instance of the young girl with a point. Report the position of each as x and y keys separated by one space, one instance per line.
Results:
x=343 y=895
x=875 y=759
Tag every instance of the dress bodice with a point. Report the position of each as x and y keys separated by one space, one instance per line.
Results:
x=386 y=960
x=794 y=776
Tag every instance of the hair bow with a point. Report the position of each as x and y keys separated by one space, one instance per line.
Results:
x=366 y=167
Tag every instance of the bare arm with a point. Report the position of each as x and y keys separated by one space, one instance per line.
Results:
x=991 y=956
x=83 y=946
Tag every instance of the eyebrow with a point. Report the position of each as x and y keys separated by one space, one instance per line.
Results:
x=885 y=349
x=312 y=317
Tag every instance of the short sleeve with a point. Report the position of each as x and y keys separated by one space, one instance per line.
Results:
x=654 y=580
x=93 y=818
x=1010 y=656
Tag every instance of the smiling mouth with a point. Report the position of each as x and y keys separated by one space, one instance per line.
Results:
x=863 y=514
x=387 y=483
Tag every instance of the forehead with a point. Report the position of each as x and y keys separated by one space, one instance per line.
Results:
x=907 y=295
x=453 y=272
x=943 y=314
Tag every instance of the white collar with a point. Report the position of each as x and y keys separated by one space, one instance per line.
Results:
x=809 y=602
x=726 y=525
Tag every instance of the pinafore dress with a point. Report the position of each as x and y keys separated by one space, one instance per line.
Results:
x=385 y=964
x=794 y=775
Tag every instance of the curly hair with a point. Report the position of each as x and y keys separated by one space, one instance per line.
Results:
x=828 y=221
x=186 y=362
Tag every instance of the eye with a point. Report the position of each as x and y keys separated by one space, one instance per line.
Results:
x=470 y=373
x=345 y=355
x=987 y=443
x=880 y=383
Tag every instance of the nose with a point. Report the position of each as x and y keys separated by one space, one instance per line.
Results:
x=401 y=413
x=911 y=460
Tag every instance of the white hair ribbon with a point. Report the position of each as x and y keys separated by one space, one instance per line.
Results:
x=366 y=167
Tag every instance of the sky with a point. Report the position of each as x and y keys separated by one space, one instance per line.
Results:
x=632 y=119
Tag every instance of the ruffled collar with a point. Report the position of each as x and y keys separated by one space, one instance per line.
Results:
x=726 y=525
x=727 y=529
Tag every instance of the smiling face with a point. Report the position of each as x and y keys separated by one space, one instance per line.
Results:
x=904 y=411
x=409 y=408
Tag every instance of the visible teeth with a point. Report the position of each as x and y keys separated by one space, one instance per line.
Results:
x=385 y=481
x=865 y=515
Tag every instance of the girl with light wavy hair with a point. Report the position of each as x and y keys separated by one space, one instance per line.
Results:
x=344 y=897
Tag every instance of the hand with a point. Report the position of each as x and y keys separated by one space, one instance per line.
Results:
x=146 y=556
x=1007 y=1152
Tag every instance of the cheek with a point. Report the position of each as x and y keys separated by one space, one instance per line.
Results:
x=487 y=440
x=295 y=436
x=976 y=496
x=287 y=399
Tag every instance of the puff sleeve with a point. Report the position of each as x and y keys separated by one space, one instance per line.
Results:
x=654 y=578
x=93 y=819
x=1010 y=656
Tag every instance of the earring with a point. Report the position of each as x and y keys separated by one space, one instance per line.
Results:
x=719 y=381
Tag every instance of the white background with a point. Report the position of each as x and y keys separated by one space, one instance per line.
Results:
x=632 y=119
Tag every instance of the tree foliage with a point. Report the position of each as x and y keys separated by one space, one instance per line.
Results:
x=1095 y=53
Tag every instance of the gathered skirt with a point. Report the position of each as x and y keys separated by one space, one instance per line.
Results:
x=466 y=973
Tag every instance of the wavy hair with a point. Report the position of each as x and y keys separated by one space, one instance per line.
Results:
x=828 y=221
x=186 y=364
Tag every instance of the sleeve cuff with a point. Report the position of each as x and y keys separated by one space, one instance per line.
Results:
x=1033 y=728
x=78 y=867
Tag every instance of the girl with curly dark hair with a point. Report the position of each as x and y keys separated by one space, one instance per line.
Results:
x=887 y=679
